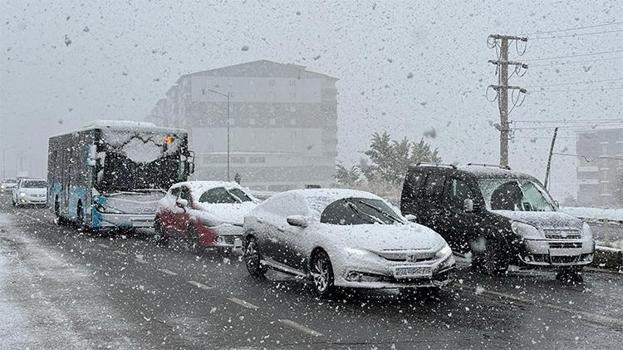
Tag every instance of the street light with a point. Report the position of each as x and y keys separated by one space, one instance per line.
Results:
x=227 y=95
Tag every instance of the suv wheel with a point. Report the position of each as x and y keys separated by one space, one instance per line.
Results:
x=322 y=274
x=490 y=259
x=253 y=258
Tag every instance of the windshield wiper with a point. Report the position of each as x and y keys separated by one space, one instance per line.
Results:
x=381 y=211
x=362 y=214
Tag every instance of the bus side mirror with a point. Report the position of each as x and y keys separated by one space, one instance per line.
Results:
x=92 y=155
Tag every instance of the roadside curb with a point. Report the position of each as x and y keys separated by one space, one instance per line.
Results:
x=608 y=258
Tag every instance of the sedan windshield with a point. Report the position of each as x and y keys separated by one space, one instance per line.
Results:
x=515 y=195
x=359 y=211
x=221 y=195
x=35 y=184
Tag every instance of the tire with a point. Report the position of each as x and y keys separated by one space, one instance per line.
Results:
x=159 y=235
x=321 y=272
x=57 y=211
x=491 y=259
x=80 y=216
x=253 y=258
x=193 y=236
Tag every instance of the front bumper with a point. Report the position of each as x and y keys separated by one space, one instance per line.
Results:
x=555 y=253
x=26 y=200
x=109 y=220
x=385 y=276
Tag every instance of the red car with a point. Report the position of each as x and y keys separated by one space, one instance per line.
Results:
x=209 y=213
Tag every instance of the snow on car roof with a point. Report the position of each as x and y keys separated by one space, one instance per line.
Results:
x=319 y=198
x=491 y=171
x=198 y=187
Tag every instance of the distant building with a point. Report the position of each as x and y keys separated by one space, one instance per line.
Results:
x=600 y=166
x=283 y=128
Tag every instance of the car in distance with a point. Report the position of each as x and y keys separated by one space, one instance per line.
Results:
x=30 y=192
x=503 y=217
x=8 y=185
x=343 y=238
x=209 y=213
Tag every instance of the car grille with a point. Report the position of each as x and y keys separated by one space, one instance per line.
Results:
x=562 y=234
x=565 y=245
x=407 y=255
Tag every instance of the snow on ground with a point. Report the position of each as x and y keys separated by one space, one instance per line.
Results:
x=594 y=213
x=42 y=303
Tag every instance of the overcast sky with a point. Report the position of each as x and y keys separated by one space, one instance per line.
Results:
x=404 y=67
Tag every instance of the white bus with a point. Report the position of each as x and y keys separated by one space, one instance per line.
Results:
x=111 y=174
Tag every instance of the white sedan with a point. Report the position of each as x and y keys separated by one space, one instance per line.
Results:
x=344 y=238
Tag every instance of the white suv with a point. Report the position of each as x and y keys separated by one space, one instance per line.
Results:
x=30 y=191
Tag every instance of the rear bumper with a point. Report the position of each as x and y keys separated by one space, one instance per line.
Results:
x=556 y=253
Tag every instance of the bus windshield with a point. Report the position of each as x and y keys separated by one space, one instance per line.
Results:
x=131 y=160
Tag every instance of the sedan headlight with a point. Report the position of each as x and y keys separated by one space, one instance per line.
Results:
x=526 y=231
x=22 y=194
x=444 y=252
x=587 y=233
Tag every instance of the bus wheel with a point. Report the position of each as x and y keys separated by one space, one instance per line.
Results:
x=80 y=216
x=57 y=211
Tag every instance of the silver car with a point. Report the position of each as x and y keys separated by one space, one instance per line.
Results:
x=343 y=238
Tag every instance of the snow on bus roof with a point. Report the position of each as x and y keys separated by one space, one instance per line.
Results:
x=129 y=125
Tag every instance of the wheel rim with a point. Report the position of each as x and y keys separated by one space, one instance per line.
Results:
x=252 y=255
x=321 y=274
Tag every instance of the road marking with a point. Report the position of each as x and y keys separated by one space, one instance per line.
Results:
x=119 y=252
x=300 y=327
x=199 y=285
x=243 y=303
x=103 y=245
x=605 y=320
x=168 y=272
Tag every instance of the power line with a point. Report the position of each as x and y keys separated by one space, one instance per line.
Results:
x=588 y=159
x=578 y=82
x=577 y=34
x=576 y=62
x=603 y=88
x=568 y=121
x=575 y=28
x=570 y=56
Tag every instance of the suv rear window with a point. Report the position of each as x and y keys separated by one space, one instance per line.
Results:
x=433 y=187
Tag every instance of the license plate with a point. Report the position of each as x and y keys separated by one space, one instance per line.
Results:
x=413 y=272
x=565 y=252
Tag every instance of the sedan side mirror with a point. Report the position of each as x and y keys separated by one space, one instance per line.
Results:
x=182 y=203
x=468 y=205
x=297 y=220
x=411 y=217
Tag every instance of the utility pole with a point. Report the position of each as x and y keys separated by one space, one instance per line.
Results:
x=502 y=88
x=228 y=96
x=549 y=158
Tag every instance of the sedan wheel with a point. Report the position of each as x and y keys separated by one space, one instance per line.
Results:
x=322 y=274
x=491 y=260
x=253 y=258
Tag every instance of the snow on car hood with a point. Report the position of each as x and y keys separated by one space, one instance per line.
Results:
x=376 y=237
x=542 y=219
x=231 y=213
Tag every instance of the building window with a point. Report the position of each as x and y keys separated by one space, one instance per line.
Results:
x=257 y=160
x=604 y=148
x=238 y=160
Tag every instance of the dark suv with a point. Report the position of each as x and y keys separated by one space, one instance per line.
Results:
x=502 y=217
